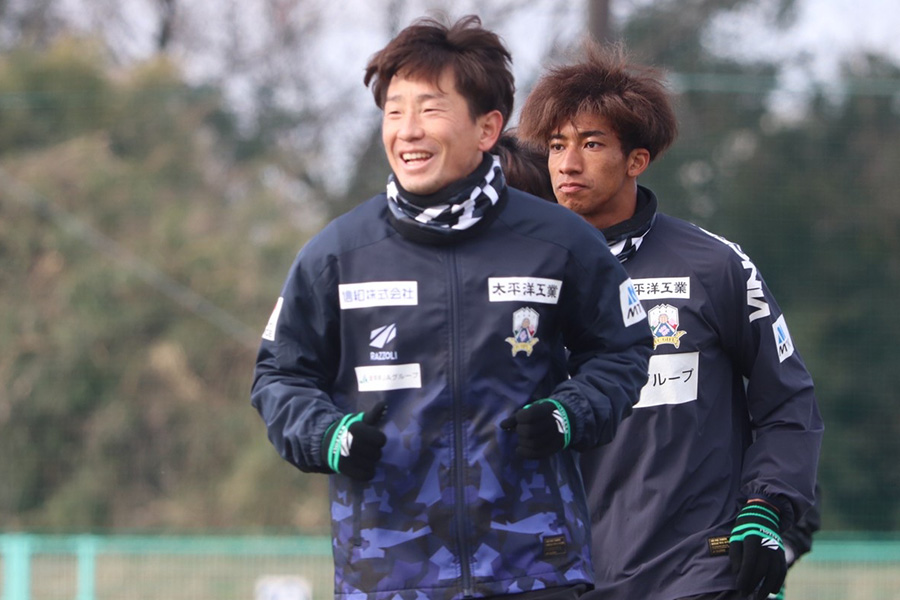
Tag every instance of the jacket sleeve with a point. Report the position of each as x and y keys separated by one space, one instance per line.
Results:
x=798 y=539
x=296 y=364
x=606 y=332
x=781 y=462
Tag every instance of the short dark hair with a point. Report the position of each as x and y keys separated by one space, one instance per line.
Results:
x=633 y=98
x=524 y=166
x=481 y=63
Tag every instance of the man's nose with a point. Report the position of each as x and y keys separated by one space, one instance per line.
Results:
x=569 y=162
x=410 y=127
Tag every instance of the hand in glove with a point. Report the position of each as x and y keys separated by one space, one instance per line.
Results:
x=756 y=550
x=543 y=428
x=353 y=444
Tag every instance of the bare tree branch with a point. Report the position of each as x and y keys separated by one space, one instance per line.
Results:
x=599 y=26
x=166 y=24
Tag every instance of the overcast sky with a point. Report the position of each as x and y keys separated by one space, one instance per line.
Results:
x=824 y=38
x=825 y=31
x=824 y=34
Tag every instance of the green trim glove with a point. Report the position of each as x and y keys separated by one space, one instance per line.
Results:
x=543 y=428
x=352 y=445
x=756 y=550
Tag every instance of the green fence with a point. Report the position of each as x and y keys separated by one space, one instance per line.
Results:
x=86 y=567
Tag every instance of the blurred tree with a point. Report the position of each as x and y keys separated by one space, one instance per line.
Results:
x=813 y=201
x=130 y=238
x=816 y=204
x=166 y=23
x=146 y=224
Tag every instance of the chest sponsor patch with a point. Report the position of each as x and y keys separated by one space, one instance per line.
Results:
x=632 y=311
x=378 y=293
x=783 y=340
x=524 y=289
x=269 y=333
x=379 y=338
x=379 y=378
x=673 y=380
x=655 y=288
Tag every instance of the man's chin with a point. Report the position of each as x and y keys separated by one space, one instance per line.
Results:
x=576 y=206
x=419 y=186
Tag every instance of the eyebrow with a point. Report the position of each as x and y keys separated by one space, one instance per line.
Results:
x=419 y=98
x=581 y=134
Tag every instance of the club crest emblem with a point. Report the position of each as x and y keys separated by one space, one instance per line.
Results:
x=664 y=325
x=525 y=324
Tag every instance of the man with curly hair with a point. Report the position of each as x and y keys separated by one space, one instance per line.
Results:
x=719 y=457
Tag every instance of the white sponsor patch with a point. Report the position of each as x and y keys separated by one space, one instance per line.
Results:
x=673 y=380
x=269 y=333
x=378 y=293
x=632 y=311
x=655 y=288
x=524 y=289
x=783 y=340
x=389 y=377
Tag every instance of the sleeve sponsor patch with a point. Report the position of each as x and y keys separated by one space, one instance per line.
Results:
x=378 y=293
x=783 y=341
x=269 y=333
x=632 y=311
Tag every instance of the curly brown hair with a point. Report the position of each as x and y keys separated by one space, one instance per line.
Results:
x=634 y=99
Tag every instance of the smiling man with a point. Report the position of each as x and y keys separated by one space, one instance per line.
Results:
x=418 y=351
x=719 y=458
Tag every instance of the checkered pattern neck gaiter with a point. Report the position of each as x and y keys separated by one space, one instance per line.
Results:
x=625 y=238
x=460 y=211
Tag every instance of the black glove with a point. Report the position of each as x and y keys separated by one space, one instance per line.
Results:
x=756 y=550
x=353 y=444
x=543 y=428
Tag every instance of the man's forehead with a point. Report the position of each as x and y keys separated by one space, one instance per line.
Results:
x=584 y=124
x=440 y=85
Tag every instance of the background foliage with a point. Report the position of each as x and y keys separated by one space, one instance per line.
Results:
x=146 y=225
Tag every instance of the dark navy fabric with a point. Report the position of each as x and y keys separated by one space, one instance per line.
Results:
x=452 y=511
x=728 y=413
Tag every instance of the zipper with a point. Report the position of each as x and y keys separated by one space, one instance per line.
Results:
x=459 y=459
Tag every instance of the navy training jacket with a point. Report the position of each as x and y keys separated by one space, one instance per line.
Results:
x=455 y=337
x=729 y=413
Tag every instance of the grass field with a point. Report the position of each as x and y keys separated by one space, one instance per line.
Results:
x=218 y=568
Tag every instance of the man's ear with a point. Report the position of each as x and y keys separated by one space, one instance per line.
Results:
x=638 y=161
x=491 y=126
